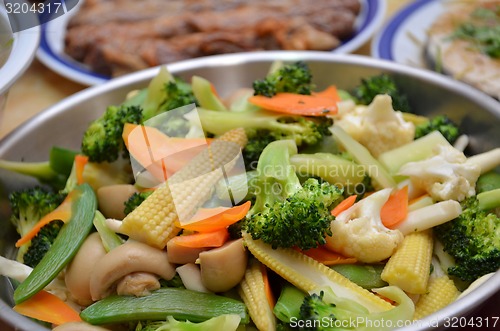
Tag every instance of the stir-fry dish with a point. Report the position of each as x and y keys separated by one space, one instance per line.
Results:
x=280 y=207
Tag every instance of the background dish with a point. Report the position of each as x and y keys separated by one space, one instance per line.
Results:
x=22 y=51
x=429 y=92
x=51 y=51
x=403 y=38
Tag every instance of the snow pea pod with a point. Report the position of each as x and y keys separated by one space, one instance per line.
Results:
x=67 y=243
x=179 y=303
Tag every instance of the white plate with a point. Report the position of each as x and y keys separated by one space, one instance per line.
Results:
x=51 y=50
x=403 y=38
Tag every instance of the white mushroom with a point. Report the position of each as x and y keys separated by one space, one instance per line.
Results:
x=138 y=284
x=77 y=276
x=224 y=267
x=79 y=326
x=125 y=259
x=181 y=254
x=112 y=198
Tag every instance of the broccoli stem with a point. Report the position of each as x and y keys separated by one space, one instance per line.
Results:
x=332 y=168
x=486 y=161
x=42 y=171
x=204 y=93
x=288 y=304
x=156 y=93
x=489 y=200
x=109 y=238
x=362 y=156
x=417 y=150
x=488 y=181
x=367 y=276
x=427 y=217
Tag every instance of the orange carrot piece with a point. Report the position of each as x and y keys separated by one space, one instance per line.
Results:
x=160 y=154
x=80 y=162
x=62 y=212
x=344 y=205
x=203 y=239
x=330 y=92
x=296 y=104
x=46 y=307
x=213 y=219
x=395 y=209
x=271 y=300
x=327 y=257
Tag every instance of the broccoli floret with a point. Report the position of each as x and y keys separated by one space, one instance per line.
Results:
x=292 y=78
x=325 y=311
x=135 y=200
x=381 y=84
x=102 y=141
x=287 y=213
x=178 y=94
x=257 y=141
x=28 y=207
x=473 y=240
x=439 y=123
x=41 y=243
x=262 y=127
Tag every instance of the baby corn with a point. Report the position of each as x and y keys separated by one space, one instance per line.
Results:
x=252 y=291
x=154 y=220
x=308 y=275
x=440 y=293
x=409 y=267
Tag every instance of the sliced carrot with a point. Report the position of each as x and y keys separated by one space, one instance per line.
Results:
x=267 y=287
x=62 y=212
x=330 y=92
x=213 y=219
x=160 y=154
x=344 y=205
x=296 y=104
x=203 y=239
x=395 y=209
x=327 y=257
x=80 y=162
x=46 y=307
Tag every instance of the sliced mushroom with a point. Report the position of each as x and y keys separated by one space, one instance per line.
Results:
x=130 y=257
x=79 y=326
x=138 y=284
x=191 y=277
x=77 y=276
x=224 y=267
x=180 y=254
x=112 y=198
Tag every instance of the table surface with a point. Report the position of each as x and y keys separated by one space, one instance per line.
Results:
x=39 y=88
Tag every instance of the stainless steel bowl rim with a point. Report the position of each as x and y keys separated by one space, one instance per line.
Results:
x=459 y=308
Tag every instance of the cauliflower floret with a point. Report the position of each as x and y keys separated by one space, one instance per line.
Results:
x=358 y=231
x=378 y=127
x=445 y=176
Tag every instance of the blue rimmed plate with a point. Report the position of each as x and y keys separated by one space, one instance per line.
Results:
x=51 y=50
x=403 y=37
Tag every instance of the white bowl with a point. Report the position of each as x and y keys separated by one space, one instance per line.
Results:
x=23 y=46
